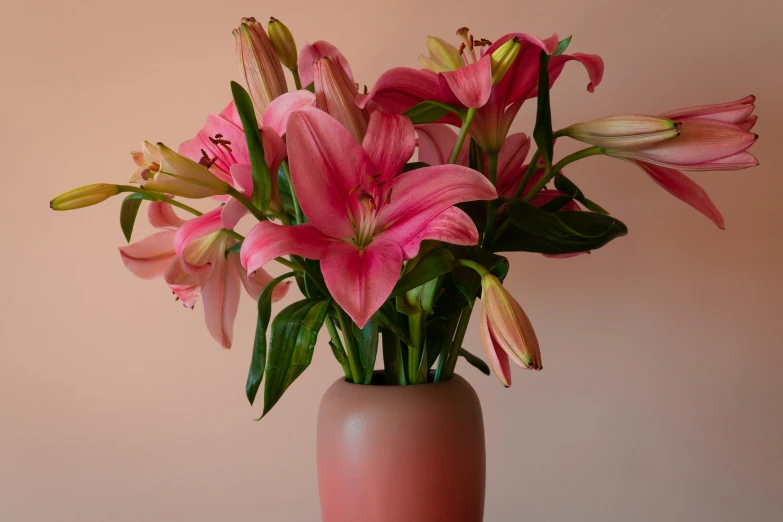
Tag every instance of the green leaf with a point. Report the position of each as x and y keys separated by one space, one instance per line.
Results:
x=368 y=348
x=542 y=132
x=429 y=111
x=536 y=230
x=562 y=45
x=262 y=185
x=310 y=87
x=475 y=159
x=128 y=211
x=414 y=165
x=294 y=332
x=235 y=249
x=556 y=203
x=565 y=185
x=434 y=263
x=258 y=360
x=475 y=361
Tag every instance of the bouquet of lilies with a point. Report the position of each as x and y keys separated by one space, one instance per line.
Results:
x=390 y=208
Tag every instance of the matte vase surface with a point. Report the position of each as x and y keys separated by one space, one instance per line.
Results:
x=401 y=453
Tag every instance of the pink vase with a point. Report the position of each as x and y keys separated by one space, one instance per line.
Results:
x=401 y=453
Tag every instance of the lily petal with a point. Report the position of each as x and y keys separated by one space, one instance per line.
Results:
x=436 y=141
x=400 y=88
x=420 y=195
x=452 y=226
x=683 y=188
x=186 y=287
x=361 y=280
x=277 y=113
x=150 y=257
x=268 y=240
x=389 y=142
x=161 y=215
x=513 y=153
x=326 y=166
x=255 y=284
x=221 y=293
x=594 y=65
x=310 y=53
x=498 y=359
x=471 y=84
x=196 y=260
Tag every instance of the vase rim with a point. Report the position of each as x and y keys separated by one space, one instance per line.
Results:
x=378 y=375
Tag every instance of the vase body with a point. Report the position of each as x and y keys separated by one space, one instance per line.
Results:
x=401 y=453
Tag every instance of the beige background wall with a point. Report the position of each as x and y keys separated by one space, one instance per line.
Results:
x=661 y=399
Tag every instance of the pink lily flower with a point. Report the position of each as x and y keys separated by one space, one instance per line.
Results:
x=399 y=89
x=712 y=137
x=201 y=269
x=366 y=217
x=221 y=147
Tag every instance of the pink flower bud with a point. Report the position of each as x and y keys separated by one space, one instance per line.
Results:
x=259 y=67
x=335 y=94
x=505 y=330
x=625 y=132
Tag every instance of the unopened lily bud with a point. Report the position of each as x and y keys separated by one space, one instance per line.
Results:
x=625 y=132
x=259 y=67
x=84 y=196
x=442 y=57
x=505 y=330
x=335 y=93
x=503 y=58
x=162 y=170
x=283 y=42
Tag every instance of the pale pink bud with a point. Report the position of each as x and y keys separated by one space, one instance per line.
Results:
x=625 y=131
x=259 y=67
x=505 y=330
x=335 y=93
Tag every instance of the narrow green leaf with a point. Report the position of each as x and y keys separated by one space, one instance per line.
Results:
x=262 y=185
x=128 y=211
x=368 y=348
x=258 y=360
x=434 y=263
x=562 y=45
x=542 y=132
x=475 y=159
x=475 y=361
x=429 y=111
x=536 y=230
x=565 y=185
x=291 y=342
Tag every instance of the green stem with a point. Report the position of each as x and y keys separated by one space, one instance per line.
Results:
x=234 y=193
x=445 y=350
x=297 y=80
x=157 y=196
x=492 y=173
x=351 y=349
x=339 y=347
x=417 y=335
x=584 y=153
x=463 y=133
x=531 y=168
x=297 y=208
x=459 y=337
x=473 y=265
x=392 y=358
